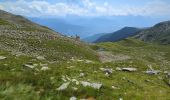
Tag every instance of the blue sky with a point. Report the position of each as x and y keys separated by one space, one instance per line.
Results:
x=87 y=8
x=88 y=17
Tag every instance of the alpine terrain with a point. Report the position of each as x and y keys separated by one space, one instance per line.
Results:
x=37 y=63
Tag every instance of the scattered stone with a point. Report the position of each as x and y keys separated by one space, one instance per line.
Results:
x=40 y=58
x=120 y=98
x=108 y=71
x=2 y=57
x=43 y=65
x=93 y=85
x=63 y=78
x=74 y=88
x=96 y=85
x=88 y=61
x=35 y=65
x=82 y=75
x=70 y=67
x=85 y=84
x=129 y=69
x=17 y=54
x=150 y=67
x=36 y=69
x=124 y=78
x=63 y=86
x=118 y=69
x=126 y=69
x=68 y=78
x=45 y=68
x=52 y=78
x=113 y=87
x=95 y=71
x=152 y=72
x=29 y=66
x=73 y=98
x=107 y=74
x=168 y=75
x=5 y=64
x=169 y=83
x=165 y=72
x=147 y=80
x=76 y=81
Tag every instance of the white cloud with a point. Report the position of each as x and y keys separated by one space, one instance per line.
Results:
x=86 y=8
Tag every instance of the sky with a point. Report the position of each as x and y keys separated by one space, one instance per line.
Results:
x=88 y=17
x=87 y=8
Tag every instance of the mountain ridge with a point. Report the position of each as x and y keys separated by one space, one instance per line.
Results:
x=118 y=35
x=159 y=33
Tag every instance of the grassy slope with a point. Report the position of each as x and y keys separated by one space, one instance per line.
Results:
x=17 y=82
x=20 y=35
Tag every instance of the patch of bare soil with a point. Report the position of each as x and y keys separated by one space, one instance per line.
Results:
x=105 y=56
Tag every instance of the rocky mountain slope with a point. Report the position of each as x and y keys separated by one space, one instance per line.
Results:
x=160 y=33
x=21 y=36
x=118 y=35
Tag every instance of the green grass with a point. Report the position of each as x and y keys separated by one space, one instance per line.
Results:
x=17 y=82
x=3 y=22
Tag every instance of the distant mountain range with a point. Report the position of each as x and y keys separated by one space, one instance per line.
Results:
x=88 y=26
x=93 y=38
x=118 y=35
x=159 y=33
